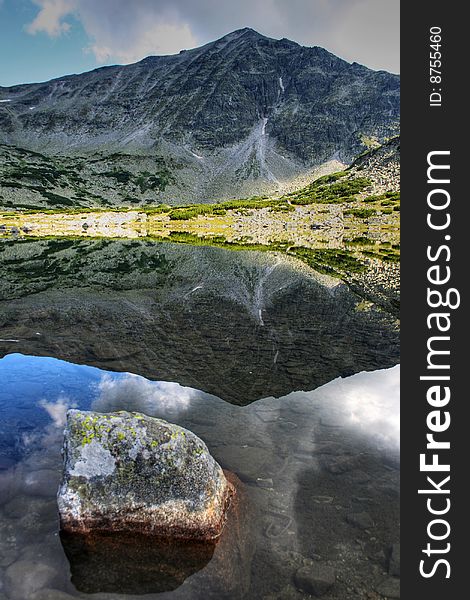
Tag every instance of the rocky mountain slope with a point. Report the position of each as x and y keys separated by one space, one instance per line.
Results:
x=381 y=165
x=242 y=114
x=33 y=180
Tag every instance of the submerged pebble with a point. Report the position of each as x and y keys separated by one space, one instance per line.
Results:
x=25 y=577
x=316 y=579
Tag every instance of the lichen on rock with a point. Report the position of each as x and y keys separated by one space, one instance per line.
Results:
x=128 y=472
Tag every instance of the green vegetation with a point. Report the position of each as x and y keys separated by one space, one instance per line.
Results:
x=191 y=212
x=330 y=189
x=370 y=141
x=57 y=199
x=331 y=178
x=145 y=181
x=42 y=175
x=360 y=213
x=387 y=197
x=360 y=241
x=383 y=254
x=70 y=181
x=327 y=189
x=119 y=176
x=334 y=262
x=51 y=264
x=182 y=237
x=341 y=187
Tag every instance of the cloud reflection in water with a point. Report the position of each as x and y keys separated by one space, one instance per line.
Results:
x=366 y=403
x=302 y=457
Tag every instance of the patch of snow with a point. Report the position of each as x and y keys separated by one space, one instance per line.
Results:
x=281 y=85
x=198 y=287
x=32 y=107
x=197 y=155
x=263 y=127
x=7 y=100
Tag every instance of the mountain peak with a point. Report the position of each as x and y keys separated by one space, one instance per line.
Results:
x=245 y=33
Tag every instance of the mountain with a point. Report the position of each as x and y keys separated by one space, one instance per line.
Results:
x=240 y=115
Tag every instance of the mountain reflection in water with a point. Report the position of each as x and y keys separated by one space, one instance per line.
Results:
x=239 y=325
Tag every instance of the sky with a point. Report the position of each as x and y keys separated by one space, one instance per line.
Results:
x=43 y=39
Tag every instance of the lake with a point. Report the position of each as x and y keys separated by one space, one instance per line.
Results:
x=289 y=375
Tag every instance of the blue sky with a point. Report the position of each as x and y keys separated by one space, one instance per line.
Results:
x=42 y=39
x=26 y=57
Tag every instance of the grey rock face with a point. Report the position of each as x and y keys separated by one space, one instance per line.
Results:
x=129 y=472
x=246 y=105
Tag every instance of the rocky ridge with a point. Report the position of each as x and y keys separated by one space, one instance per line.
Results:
x=243 y=113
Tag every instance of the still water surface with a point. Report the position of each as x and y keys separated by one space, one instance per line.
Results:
x=220 y=343
x=308 y=461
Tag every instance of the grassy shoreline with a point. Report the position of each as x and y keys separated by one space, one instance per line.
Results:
x=329 y=189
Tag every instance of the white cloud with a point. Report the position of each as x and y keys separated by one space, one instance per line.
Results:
x=367 y=404
x=51 y=17
x=366 y=31
x=155 y=39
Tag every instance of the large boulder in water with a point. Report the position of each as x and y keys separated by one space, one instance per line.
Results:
x=127 y=472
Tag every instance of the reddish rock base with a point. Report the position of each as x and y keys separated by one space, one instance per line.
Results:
x=117 y=562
